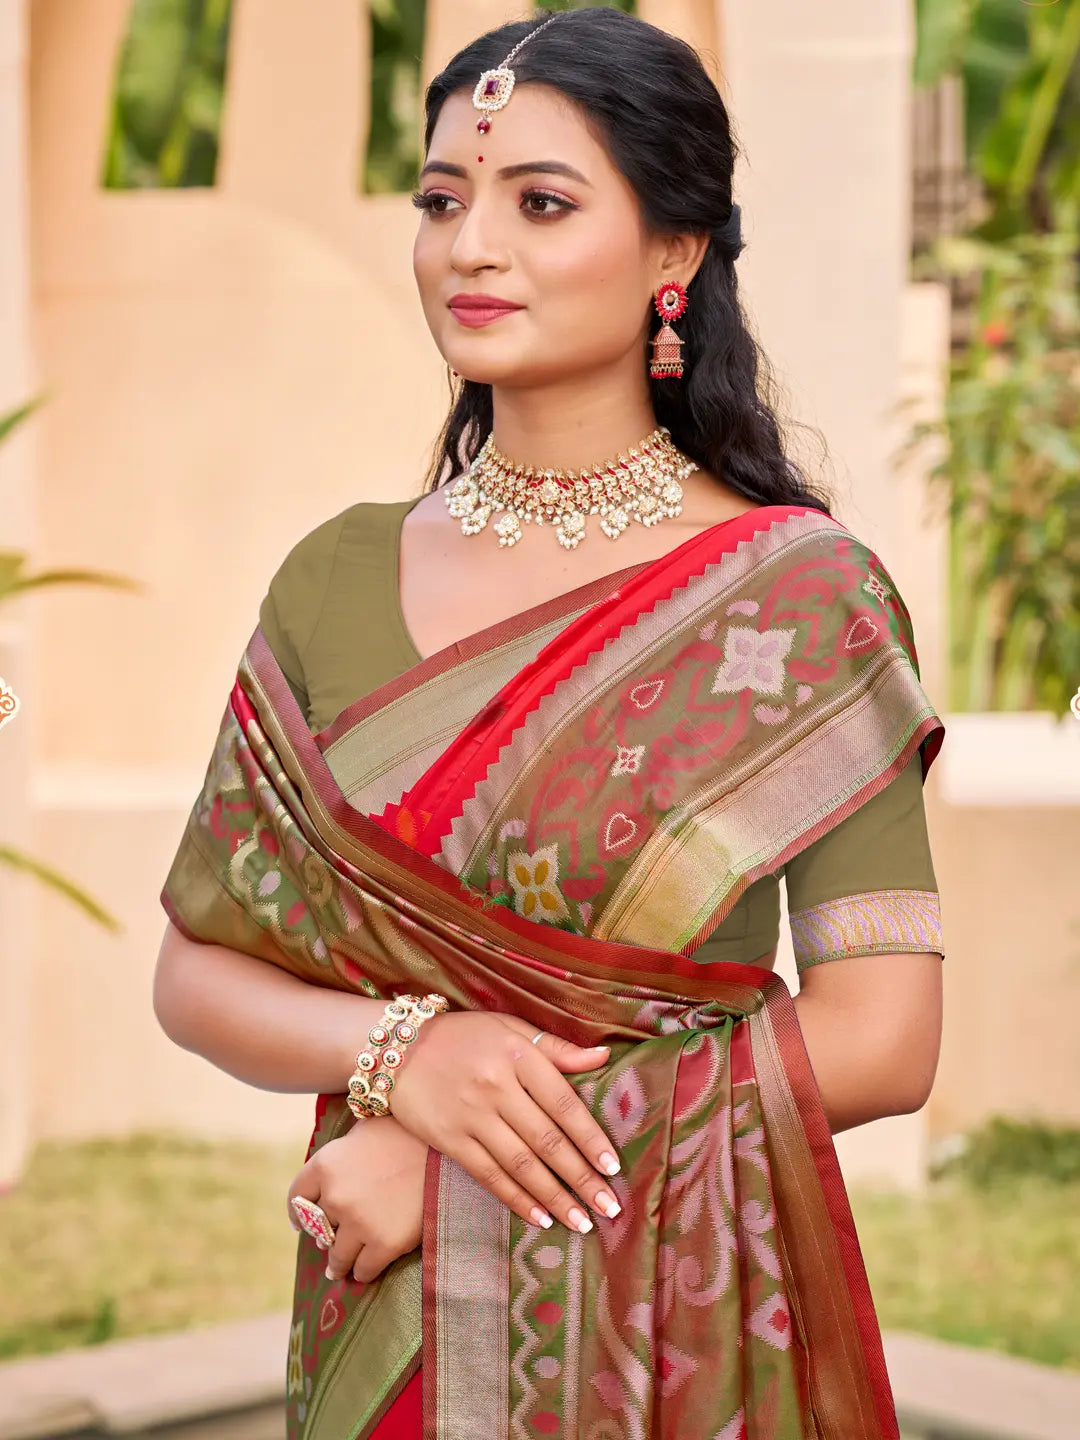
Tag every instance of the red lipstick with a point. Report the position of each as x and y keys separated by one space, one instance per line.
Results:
x=478 y=309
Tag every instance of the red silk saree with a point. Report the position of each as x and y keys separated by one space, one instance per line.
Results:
x=546 y=820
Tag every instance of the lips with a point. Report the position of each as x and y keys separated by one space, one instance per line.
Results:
x=476 y=310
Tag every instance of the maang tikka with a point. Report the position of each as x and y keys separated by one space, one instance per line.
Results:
x=495 y=87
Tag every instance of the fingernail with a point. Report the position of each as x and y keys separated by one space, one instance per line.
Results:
x=609 y=1164
x=608 y=1204
x=580 y=1221
x=330 y=1274
x=599 y=1048
x=540 y=1217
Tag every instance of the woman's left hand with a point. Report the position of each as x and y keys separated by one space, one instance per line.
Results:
x=370 y=1184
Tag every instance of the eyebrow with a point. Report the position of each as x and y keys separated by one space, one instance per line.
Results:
x=508 y=172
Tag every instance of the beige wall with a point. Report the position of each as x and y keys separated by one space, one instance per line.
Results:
x=230 y=367
x=17 y=900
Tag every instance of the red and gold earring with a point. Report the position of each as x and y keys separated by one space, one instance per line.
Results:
x=671 y=302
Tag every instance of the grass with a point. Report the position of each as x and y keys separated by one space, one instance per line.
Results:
x=996 y=1267
x=114 y=1238
x=126 y=1237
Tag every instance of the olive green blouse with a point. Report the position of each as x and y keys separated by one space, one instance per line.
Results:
x=332 y=618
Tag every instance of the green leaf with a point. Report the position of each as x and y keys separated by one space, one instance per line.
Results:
x=150 y=72
x=14 y=581
x=14 y=418
x=942 y=29
x=16 y=860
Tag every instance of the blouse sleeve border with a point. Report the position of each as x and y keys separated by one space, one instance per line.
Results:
x=875 y=922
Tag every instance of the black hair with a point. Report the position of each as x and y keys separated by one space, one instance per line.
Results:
x=666 y=129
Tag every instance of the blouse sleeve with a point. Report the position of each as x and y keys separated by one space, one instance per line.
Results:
x=292 y=605
x=868 y=886
x=284 y=650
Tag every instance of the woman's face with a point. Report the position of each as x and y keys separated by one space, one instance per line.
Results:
x=566 y=243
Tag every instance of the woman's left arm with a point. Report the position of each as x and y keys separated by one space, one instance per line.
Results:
x=871 y=1020
x=872 y=1028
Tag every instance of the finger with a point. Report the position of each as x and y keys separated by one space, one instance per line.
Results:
x=568 y=1056
x=341 y=1257
x=517 y=1159
x=370 y=1264
x=549 y=1143
x=563 y=1053
x=558 y=1098
x=477 y=1160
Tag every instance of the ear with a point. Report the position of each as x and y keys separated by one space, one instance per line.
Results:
x=679 y=257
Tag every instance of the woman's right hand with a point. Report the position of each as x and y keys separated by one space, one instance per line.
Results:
x=474 y=1087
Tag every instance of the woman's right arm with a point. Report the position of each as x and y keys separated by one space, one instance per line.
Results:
x=257 y=1022
x=473 y=1085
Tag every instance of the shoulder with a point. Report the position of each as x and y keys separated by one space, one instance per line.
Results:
x=308 y=563
x=299 y=586
x=833 y=566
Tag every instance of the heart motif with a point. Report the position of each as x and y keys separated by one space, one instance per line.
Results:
x=619 y=830
x=803 y=693
x=329 y=1315
x=864 y=629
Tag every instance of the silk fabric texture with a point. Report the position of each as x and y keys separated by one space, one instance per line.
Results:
x=635 y=754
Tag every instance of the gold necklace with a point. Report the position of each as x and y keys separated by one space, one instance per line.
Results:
x=642 y=485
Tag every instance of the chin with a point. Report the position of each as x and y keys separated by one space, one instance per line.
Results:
x=512 y=373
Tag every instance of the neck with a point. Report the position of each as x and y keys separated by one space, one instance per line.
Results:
x=574 y=423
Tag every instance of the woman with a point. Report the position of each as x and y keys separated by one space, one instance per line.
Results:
x=464 y=755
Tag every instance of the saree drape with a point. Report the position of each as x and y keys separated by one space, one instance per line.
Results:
x=546 y=820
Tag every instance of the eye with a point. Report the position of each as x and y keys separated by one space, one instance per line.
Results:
x=429 y=200
x=548 y=198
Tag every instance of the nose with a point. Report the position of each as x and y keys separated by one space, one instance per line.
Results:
x=478 y=241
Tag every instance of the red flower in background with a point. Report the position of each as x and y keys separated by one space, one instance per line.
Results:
x=996 y=332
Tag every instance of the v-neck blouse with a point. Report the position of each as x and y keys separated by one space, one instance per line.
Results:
x=333 y=620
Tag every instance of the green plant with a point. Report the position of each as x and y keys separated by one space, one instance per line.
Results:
x=15 y=580
x=1005 y=1150
x=1011 y=476
x=1021 y=88
x=393 y=144
x=168 y=97
x=1011 y=423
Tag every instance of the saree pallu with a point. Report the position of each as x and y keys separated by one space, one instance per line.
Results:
x=546 y=820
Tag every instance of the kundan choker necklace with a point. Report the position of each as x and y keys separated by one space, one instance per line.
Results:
x=642 y=486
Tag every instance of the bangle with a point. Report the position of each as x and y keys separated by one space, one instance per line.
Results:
x=388 y=1039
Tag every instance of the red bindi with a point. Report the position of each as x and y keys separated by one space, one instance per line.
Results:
x=480 y=158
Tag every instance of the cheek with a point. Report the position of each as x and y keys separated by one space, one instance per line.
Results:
x=591 y=270
x=422 y=260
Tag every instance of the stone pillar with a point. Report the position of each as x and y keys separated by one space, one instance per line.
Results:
x=295 y=123
x=820 y=103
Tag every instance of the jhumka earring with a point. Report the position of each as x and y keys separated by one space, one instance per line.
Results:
x=495 y=87
x=670 y=301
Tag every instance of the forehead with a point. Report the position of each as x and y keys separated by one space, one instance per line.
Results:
x=536 y=118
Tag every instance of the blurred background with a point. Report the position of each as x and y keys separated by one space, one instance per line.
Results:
x=210 y=341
